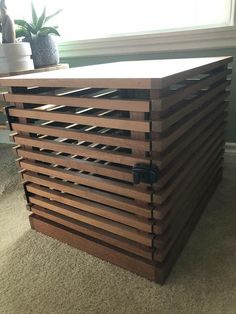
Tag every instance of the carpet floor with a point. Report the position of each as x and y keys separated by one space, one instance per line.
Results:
x=41 y=275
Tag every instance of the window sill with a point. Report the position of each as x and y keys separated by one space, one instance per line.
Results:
x=212 y=38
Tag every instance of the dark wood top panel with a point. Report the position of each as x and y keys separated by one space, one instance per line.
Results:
x=130 y=74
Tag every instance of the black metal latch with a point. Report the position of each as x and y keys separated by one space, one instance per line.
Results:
x=145 y=173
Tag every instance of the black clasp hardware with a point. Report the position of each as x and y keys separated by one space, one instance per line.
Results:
x=145 y=173
x=26 y=196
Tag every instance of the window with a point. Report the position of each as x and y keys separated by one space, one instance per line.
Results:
x=89 y=19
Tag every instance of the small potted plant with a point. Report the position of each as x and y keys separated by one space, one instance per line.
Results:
x=14 y=56
x=40 y=36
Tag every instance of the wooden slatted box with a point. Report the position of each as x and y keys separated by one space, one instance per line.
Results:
x=86 y=136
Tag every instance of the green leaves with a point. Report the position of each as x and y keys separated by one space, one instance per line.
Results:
x=25 y=29
x=49 y=30
x=34 y=15
x=24 y=25
x=37 y=27
x=52 y=15
x=21 y=32
x=41 y=20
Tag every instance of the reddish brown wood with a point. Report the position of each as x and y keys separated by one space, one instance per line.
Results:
x=79 y=134
x=94 y=247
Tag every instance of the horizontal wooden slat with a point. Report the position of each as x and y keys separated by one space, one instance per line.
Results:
x=107 y=252
x=184 y=126
x=189 y=106
x=164 y=228
x=164 y=241
x=93 y=208
x=181 y=193
x=188 y=128
x=203 y=125
x=168 y=101
x=122 y=124
x=182 y=75
x=177 y=201
x=95 y=182
x=188 y=170
x=79 y=164
x=95 y=233
x=126 y=105
x=209 y=189
x=106 y=155
x=209 y=134
x=94 y=220
x=77 y=134
x=186 y=191
x=116 y=201
x=158 y=199
x=172 y=155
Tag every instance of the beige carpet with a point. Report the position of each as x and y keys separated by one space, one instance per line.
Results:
x=40 y=275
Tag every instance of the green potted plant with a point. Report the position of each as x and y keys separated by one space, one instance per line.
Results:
x=40 y=36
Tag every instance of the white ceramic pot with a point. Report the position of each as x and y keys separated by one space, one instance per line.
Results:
x=15 y=57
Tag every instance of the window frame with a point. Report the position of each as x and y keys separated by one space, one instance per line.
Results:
x=181 y=40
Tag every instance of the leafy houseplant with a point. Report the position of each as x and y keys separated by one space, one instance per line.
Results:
x=39 y=35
